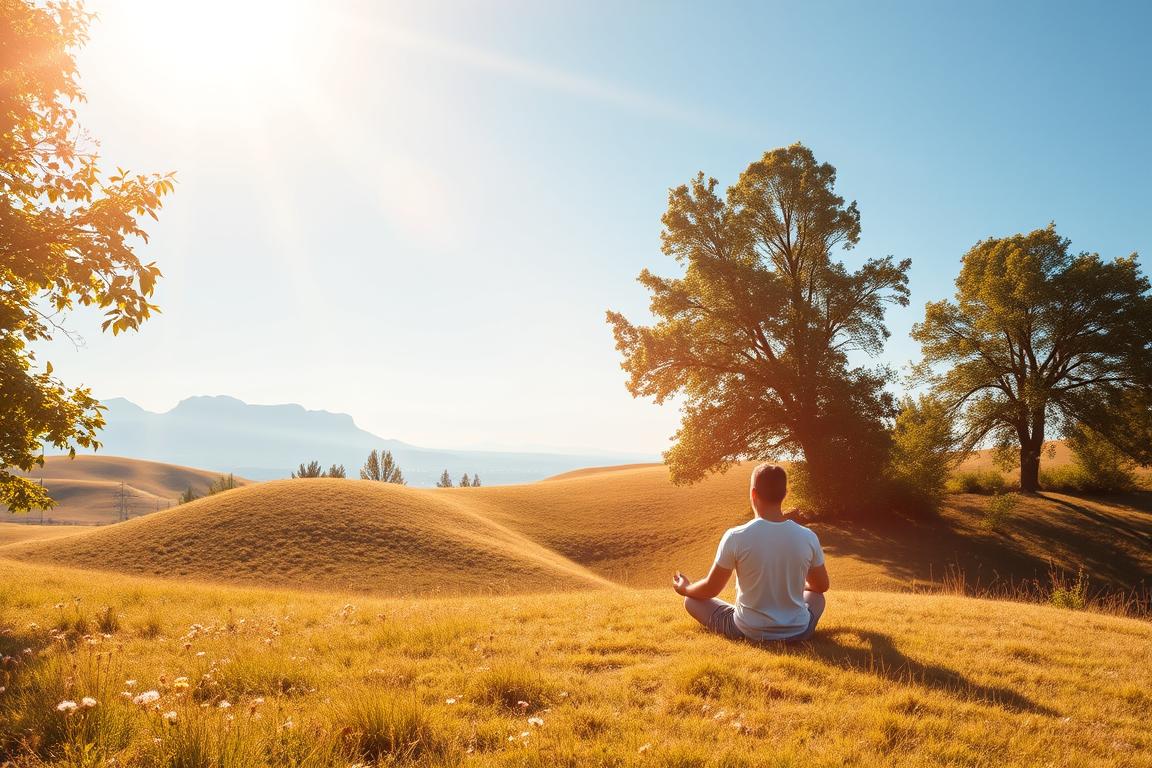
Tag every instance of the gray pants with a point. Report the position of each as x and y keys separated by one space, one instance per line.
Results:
x=720 y=617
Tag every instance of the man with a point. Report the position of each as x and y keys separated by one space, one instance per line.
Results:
x=780 y=574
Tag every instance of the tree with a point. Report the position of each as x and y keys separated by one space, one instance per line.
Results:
x=445 y=480
x=311 y=469
x=382 y=468
x=337 y=471
x=67 y=238
x=475 y=481
x=755 y=336
x=465 y=482
x=222 y=483
x=188 y=495
x=1037 y=334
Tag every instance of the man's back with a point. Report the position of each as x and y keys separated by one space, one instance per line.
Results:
x=771 y=560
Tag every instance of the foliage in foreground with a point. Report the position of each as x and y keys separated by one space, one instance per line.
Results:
x=67 y=238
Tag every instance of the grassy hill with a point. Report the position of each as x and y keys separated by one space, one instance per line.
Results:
x=628 y=526
x=325 y=534
x=620 y=677
x=86 y=489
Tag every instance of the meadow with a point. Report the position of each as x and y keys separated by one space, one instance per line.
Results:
x=349 y=623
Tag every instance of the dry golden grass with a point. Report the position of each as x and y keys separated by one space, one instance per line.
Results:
x=325 y=534
x=86 y=488
x=614 y=677
x=18 y=533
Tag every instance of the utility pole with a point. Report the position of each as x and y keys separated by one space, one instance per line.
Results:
x=123 y=502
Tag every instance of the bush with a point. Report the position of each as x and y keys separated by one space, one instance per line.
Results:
x=1097 y=466
x=999 y=510
x=1069 y=594
x=923 y=454
x=985 y=481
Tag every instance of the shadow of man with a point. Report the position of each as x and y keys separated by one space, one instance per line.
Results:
x=873 y=652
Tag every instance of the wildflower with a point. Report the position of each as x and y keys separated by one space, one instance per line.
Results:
x=180 y=683
x=126 y=694
x=449 y=701
x=224 y=705
x=88 y=702
x=59 y=606
x=67 y=706
x=129 y=683
x=170 y=717
x=644 y=748
x=536 y=721
x=200 y=654
x=146 y=698
x=521 y=705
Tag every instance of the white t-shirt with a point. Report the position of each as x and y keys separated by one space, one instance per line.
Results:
x=771 y=561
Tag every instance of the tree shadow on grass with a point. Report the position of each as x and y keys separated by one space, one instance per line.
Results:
x=873 y=652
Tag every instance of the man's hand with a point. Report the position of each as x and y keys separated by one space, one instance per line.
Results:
x=680 y=583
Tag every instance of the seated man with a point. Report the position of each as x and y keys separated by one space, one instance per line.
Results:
x=780 y=574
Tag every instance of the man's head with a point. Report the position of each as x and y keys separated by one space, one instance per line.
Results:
x=769 y=485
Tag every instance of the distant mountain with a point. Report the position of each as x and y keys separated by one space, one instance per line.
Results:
x=264 y=442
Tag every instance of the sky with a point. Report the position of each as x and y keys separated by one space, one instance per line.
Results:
x=418 y=212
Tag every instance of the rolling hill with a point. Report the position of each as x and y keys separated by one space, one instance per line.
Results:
x=627 y=526
x=87 y=489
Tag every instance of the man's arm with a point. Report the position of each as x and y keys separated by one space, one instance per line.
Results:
x=708 y=587
x=817 y=580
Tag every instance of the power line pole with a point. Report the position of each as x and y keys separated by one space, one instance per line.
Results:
x=123 y=502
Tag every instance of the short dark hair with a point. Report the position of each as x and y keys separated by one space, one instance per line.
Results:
x=770 y=482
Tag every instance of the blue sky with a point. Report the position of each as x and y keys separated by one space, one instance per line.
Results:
x=418 y=212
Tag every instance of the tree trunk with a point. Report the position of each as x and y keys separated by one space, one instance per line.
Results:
x=1029 y=469
x=1031 y=444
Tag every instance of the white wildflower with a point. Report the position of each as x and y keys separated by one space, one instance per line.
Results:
x=536 y=721
x=224 y=705
x=88 y=702
x=170 y=717
x=67 y=706
x=146 y=698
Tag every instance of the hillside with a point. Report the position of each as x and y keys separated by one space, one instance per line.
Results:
x=606 y=677
x=628 y=526
x=87 y=488
x=324 y=534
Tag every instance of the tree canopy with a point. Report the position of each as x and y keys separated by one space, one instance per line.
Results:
x=67 y=237
x=1035 y=334
x=754 y=337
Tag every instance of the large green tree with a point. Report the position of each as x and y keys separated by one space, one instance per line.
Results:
x=1037 y=334
x=754 y=337
x=67 y=238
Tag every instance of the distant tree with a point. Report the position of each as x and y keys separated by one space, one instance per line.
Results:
x=445 y=480
x=465 y=482
x=222 y=483
x=337 y=471
x=188 y=495
x=1037 y=334
x=382 y=468
x=67 y=234
x=755 y=337
x=475 y=481
x=311 y=469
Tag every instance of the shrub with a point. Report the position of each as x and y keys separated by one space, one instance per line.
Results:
x=1099 y=466
x=985 y=481
x=999 y=509
x=1069 y=594
x=923 y=454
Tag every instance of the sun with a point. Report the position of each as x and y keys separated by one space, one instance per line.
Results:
x=219 y=50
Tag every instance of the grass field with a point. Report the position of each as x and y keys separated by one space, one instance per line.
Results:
x=616 y=677
x=343 y=623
